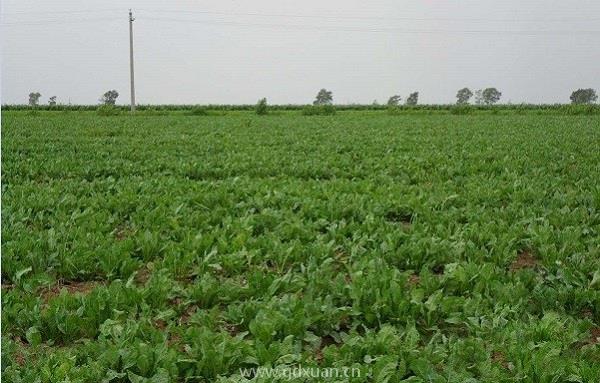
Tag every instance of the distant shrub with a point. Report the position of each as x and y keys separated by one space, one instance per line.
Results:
x=198 y=111
x=261 y=107
x=393 y=110
x=462 y=109
x=108 y=110
x=318 y=110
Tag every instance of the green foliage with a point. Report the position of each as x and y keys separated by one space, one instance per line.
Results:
x=324 y=97
x=462 y=109
x=580 y=109
x=34 y=98
x=108 y=110
x=428 y=247
x=584 y=96
x=152 y=112
x=221 y=110
x=490 y=96
x=261 y=107
x=198 y=111
x=109 y=98
x=412 y=99
x=318 y=110
x=394 y=101
x=394 y=110
x=463 y=96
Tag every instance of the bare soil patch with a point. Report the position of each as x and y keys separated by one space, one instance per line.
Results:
x=499 y=358
x=525 y=260
x=327 y=340
x=123 y=231
x=81 y=288
x=414 y=280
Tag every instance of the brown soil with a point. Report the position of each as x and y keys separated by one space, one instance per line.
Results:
x=174 y=340
x=500 y=358
x=593 y=339
x=187 y=314
x=414 y=279
x=325 y=341
x=160 y=324
x=525 y=260
x=143 y=275
x=122 y=232
x=594 y=336
x=587 y=313
x=19 y=355
x=81 y=288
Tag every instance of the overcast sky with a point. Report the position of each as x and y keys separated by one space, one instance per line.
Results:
x=230 y=51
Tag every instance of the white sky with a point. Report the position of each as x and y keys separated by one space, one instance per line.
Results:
x=229 y=51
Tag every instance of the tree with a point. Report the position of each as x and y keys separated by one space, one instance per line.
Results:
x=394 y=100
x=463 y=96
x=324 y=97
x=34 y=98
x=584 y=96
x=491 y=96
x=413 y=99
x=110 y=97
x=261 y=107
x=479 y=97
x=52 y=101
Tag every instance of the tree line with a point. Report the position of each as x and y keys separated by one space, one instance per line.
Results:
x=488 y=96
x=108 y=98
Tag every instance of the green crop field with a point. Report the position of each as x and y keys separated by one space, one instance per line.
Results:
x=417 y=247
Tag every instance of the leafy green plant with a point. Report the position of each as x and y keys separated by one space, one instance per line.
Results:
x=261 y=107
x=427 y=247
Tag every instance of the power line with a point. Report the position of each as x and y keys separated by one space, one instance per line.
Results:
x=58 y=21
x=63 y=12
x=374 y=30
x=309 y=16
x=349 y=17
x=324 y=28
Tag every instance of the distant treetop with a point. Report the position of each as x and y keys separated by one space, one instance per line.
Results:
x=324 y=97
x=463 y=96
x=110 y=97
x=34 y=98
x=491 y=96
x=413 y=99
x=584 y=96
x=394 y=100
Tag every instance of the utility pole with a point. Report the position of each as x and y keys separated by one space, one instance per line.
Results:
x=131 y=75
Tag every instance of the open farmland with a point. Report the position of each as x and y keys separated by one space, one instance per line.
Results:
x=429 y=247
